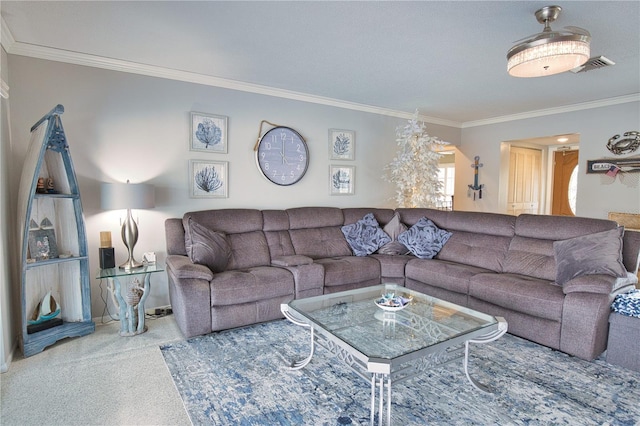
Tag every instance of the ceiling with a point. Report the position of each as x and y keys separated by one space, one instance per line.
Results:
x=446 y=59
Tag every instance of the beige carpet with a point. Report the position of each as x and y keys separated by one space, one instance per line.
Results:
x=99 y=379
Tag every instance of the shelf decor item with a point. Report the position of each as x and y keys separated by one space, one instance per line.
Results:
x=117 y=196
x=54 y=253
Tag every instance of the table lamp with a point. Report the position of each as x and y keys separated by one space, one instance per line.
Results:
x=115 y=196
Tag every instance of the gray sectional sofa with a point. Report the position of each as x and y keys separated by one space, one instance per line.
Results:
x=553 y=278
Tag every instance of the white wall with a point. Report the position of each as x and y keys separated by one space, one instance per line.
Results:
x=123 y=126
x=7 y=297
x=596 y=196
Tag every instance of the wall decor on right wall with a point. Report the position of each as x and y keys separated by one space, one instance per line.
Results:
x=627 y=170
x=342 y=180
x=342 y=144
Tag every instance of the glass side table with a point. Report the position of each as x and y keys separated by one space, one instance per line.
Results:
x=130 y=298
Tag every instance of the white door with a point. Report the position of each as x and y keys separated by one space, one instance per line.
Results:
x=525 y=168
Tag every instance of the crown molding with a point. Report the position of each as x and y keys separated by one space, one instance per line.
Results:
x=6 y=38
x=634 y=97
x=58 y=55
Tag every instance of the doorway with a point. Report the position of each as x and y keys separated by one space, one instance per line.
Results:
x=527 y=174
x=565 y=182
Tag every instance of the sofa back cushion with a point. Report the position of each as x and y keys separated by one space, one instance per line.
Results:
x=478 y=239
x=315 y=232
x=354 y=214
x=531 y=250
x=243 y=230
x=248 y=250
x=206 y=247
x=314 y=217
x=320 y=243
x=276 y=231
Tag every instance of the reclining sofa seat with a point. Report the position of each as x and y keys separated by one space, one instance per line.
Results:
x=498 y=264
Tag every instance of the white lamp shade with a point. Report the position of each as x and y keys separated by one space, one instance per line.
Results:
x=116 y=196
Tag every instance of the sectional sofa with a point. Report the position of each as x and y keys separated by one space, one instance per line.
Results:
x=553 y=278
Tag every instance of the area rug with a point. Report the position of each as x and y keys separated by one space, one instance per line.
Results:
x=238 y=377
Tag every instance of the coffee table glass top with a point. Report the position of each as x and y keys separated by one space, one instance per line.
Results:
x=354 y=318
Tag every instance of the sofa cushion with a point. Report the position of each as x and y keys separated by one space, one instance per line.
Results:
x=293 y=260
x=339 y=271
x=206 y=247
x=599 y=253
x=424 y=239
x=393 y=229
x=365 y=236
x=248 y=249
x=481 y=250
x=532 y=257
x=392 y=265
x=452 y=276
x=250 y=285
x=532 y=296
x=318 y=243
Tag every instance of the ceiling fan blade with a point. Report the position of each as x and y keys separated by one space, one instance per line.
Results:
x=529 y=38
x=578 y=30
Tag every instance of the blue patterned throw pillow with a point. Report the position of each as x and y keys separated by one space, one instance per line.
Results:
x=627 y=304
x=424 y=239
x=365 y=236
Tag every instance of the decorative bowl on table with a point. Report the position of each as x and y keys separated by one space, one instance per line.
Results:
x=391 y=302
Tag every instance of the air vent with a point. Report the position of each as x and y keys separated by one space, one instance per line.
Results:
x=593 y=64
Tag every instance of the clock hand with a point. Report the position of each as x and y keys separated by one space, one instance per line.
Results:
x=284 y=154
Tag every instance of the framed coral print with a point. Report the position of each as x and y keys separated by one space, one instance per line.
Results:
x=342 y=144
x=342 y=180
x=208 y=179
x=208 y=133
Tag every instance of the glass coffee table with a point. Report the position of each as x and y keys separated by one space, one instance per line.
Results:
x=390 y=345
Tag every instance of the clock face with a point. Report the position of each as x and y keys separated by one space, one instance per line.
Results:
x=282 y=156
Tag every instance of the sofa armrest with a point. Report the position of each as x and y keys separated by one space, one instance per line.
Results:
x=183 y=268
x=293 y=260
x=601 y=284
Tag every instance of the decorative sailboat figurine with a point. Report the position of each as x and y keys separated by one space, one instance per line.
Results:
x=47 y=309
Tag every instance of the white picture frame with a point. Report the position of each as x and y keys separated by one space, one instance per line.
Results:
x=342 y=180
x=342 y=144
x=208 y=133
x=208 y=179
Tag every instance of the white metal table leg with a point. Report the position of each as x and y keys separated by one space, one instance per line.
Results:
x=502 y=329
x=297 y=365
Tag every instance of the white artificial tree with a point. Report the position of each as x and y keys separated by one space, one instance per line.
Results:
x=414 y=170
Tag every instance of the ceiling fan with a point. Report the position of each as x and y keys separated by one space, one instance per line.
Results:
x=549 y=52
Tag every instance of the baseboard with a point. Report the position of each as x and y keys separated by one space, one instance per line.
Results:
x=4 y=367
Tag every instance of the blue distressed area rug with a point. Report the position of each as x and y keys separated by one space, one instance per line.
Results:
x=238 y=377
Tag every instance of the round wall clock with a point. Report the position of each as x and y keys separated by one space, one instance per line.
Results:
x=282 y=156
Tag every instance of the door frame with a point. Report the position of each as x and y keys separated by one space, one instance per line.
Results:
x=551 y=152
x=548 y=145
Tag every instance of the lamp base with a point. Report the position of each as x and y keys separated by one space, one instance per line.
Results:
x=131 y=264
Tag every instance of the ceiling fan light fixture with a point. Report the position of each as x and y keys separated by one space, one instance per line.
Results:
x=549 y=52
